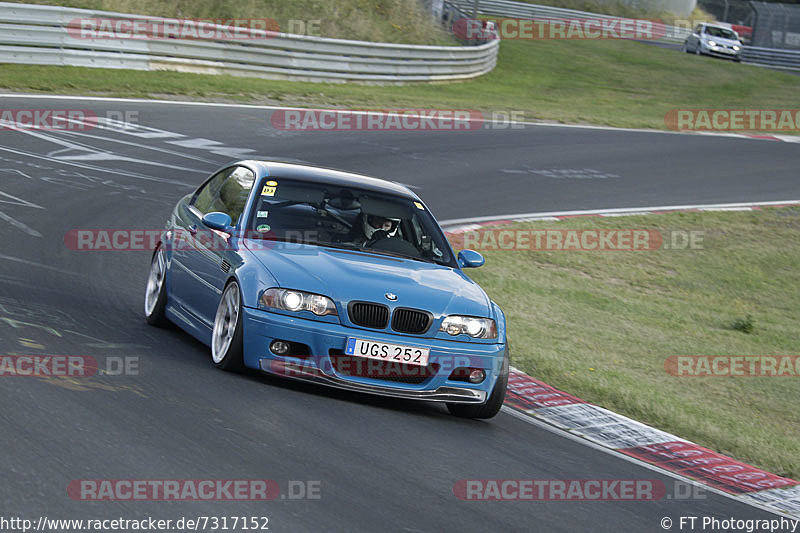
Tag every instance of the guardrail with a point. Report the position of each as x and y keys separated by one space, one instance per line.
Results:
x=46 y=35
x=504 y=8
x=771 y=57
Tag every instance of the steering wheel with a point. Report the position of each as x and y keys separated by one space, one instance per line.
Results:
x=379 y=235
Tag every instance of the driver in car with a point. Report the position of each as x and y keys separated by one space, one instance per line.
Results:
x=376 y=228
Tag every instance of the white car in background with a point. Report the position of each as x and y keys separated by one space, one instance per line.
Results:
x=714 y=40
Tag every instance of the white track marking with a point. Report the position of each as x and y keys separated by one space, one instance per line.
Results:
x=789 y=138
x=20 y=225
x=4 y=257
x=147 y=132
x=214 y=147
x=134 y=130
x=146 y=147
x=355 y=112
x=16 y=171
x=614 y=211
x=726 y=209
x=96 y=169
x=74 y=151
x=18 y=201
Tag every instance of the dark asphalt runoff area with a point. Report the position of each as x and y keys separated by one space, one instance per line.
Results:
x=381 y=464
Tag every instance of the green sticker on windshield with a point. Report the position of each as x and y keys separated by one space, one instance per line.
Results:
x=262 y=214
x=263 y=228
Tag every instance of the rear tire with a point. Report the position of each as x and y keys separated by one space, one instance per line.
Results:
x=490 y=407
x=227 y=346
x=155 y=300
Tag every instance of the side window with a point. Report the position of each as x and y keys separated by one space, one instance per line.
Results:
x=204 y=199
x=233 y=194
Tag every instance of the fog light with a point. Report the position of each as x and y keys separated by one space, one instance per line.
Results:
x=476 y=375
x=279 y=347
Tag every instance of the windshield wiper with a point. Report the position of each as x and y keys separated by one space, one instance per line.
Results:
x=353 y=247
x=394 y=254
x=338 y=246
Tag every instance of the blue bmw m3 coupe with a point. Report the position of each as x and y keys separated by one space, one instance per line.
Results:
x=329 y=277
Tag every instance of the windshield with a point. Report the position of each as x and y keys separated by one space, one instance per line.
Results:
x=346 y=217
x=721 y=33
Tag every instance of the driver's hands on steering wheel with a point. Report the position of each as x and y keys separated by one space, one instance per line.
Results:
x=378 y=228
x=378 y=235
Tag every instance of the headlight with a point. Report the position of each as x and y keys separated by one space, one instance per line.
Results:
x=711 y=43
x=736 y=47
x=290 y=300
x=477 y=328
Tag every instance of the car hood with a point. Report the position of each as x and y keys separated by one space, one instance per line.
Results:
x=349 y=276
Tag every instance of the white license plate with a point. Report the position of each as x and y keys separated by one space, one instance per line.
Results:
x=388 y=352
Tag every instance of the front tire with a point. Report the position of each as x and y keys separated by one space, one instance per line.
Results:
x=488 y=409
x=155 y=300
x=227 y=347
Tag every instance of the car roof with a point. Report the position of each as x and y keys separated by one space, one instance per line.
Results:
x=718 y=26
x=327 y=175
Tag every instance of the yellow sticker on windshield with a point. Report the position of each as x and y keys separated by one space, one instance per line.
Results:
x=419 y=206
x=268 y=190
x=272 y=183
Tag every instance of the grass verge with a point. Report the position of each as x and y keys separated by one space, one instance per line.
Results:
x=600 y=325
x=395 y=21
x=614 y=83
x=628 y=10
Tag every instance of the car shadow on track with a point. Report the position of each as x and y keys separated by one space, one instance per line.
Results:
x=432 y=410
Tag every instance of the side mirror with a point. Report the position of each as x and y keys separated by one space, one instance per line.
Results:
x=218 y=221
x=470 y=259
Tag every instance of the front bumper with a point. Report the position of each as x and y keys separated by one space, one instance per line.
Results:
x=304 y=373
x=719 y=51
x=327 y=340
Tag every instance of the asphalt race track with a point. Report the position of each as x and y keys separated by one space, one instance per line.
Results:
x=382 y=464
